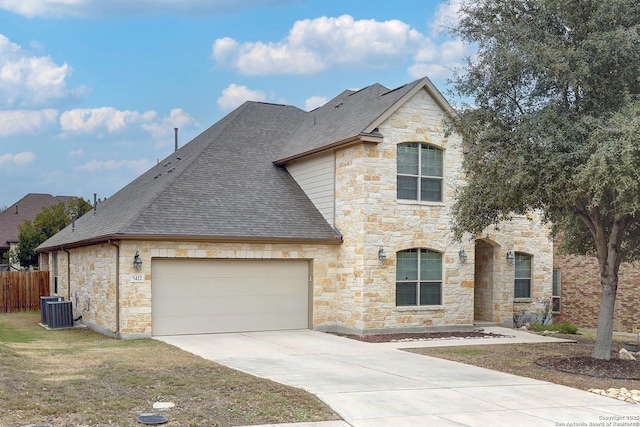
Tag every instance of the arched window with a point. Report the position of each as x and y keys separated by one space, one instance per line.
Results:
x=522 y=281
x=420 y=168
x=418 y=277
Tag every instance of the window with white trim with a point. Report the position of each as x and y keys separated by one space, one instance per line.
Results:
x=555 y=297
x=420 y=171
x=522 y=282
x=418 y=277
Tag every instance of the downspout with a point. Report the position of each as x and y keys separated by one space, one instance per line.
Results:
x=68 y=273
x=116 y=333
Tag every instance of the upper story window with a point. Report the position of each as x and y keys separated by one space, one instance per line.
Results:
x=420 y=172
x=418 y=277
x=522 y=283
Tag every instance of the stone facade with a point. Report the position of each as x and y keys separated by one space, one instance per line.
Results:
x=494 y=296
x=580 y=293
x=370 y=216
x=352 y=291
x=125 y=310
x=87 y=276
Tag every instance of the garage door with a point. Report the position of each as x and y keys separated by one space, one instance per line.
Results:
x=213 y=296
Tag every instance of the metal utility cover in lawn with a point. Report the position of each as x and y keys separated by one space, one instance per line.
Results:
x=152 y=419
x=215 y=296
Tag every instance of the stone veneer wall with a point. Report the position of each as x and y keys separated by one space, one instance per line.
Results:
x=529 y=236
x=93 y=272
x=580 y=293
x=369 y=215
x=485 y=275
x=92 y=286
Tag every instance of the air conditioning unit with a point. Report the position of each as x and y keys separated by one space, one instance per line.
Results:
x=44 y=319
x=59 y=314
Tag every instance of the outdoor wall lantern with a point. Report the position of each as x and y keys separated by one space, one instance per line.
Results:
x=510 y=257
x=381 y=255
x=463 y=256
x=137 y=262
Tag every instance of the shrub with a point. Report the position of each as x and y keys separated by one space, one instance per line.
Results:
x=563 y=328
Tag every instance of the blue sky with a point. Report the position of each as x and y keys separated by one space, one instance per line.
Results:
x=90 y=90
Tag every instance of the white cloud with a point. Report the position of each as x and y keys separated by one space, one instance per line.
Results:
x=234 y=95
x=314 y=102
x=225 y=50
x=100 y=165
x=448 y=15
x=453 y=50
x=177 y=118
x=87 y=120
x=27 y=80
x=109 y=120
x=24 y=158
x=417 y=71
x=14 y=122
x=93 y=8
x=20 y=159
x=76 y=153
x=439 y=61
x=429 y=52
x=314 y=45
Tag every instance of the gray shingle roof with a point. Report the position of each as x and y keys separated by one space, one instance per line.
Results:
x=224 y=183
x=347 y=115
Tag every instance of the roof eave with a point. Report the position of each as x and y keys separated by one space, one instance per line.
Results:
x=329 y=240
x=365 y=137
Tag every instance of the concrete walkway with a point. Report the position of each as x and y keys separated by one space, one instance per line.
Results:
x=378 y=385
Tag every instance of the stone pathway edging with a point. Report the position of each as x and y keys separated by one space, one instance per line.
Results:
x=631 y=396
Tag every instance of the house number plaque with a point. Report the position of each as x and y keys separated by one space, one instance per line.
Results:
x=137 y=277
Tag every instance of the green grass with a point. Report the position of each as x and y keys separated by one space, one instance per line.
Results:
x=464 y=351
x=16 y=333
x=78 y=377
x=563 y=328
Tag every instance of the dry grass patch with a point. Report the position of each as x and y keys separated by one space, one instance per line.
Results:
x=80 y=378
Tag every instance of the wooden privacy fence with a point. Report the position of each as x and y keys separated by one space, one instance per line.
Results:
x=21 y=290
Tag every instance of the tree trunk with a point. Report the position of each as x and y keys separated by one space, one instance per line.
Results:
x=608 y=242
x=604 y=335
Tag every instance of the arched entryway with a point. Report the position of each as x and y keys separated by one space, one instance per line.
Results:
x=484 y=279
x=493 y=290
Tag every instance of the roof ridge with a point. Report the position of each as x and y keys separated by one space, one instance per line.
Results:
x=398 y=88
x=409 y=88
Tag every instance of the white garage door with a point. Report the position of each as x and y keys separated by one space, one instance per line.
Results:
x=213 y=296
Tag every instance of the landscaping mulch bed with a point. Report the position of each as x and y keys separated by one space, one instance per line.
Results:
x=420 y=336
x=588 y=366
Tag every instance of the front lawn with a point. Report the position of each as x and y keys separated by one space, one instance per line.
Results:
x=568 y=364
x=77 y=377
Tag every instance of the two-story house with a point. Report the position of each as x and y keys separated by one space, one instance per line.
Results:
x=337 y=219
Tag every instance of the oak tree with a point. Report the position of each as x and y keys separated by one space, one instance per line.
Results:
x=552 y=124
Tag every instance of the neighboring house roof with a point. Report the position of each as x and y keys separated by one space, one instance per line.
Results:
x=24 y=209
x=229 y=183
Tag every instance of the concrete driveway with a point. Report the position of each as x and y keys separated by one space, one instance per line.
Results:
x=379 y=385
